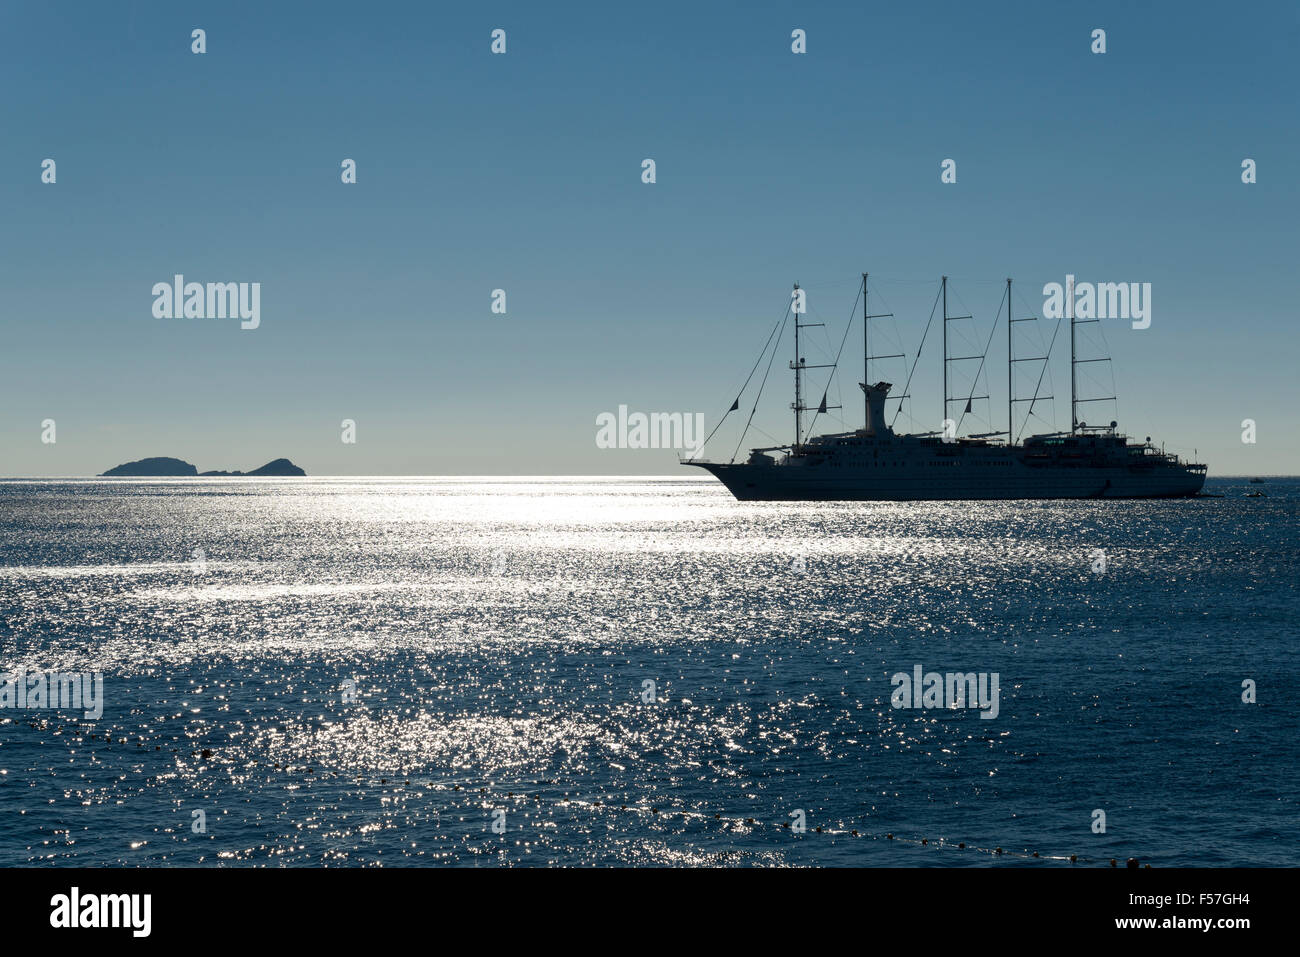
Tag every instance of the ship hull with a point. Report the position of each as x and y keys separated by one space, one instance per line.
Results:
x=802 y=483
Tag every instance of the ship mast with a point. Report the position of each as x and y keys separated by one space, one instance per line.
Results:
x=1011 y=435
x=947 y=319
x=944 y=416
x=1011 y=362
x=1075 y=362
x=798 y=378
x=866 y=360
x=1074 y=387
x=800 y=367
x=867 y=316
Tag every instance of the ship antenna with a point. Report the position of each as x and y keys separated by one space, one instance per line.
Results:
x=1010 y=393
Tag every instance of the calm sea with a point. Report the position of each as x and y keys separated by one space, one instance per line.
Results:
x=643 y=671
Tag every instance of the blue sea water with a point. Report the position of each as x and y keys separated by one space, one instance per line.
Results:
x=498 y=636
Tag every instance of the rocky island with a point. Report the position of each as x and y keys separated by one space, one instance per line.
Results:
x=162 y=466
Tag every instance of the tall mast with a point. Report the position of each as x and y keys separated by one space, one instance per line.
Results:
x=1011 y=361
x=798 y=381
x=866 y=360
x=943 y=417
x=1075 y=425
x=1074 y=401
x=947 y=319
x=1010 y=428
x=867 y=356
x=799 y=369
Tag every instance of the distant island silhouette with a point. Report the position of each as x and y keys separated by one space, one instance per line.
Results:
x=163 y=466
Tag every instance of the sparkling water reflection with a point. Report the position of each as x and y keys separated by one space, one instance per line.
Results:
x=499 y=634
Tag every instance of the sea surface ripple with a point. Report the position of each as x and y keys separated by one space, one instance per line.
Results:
x=370 y=671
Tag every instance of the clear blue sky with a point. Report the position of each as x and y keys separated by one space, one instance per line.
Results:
x=523 y=172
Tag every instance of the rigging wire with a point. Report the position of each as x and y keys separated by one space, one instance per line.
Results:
x=779 y=329
x=1024 y=425
x=1110 y=366
x=1046 y=349
x=896 y=342
x=736 y=404
x=983 y=357
x=761 y=385
x=907 y=385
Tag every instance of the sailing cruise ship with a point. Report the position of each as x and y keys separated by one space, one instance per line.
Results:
x=875 y=463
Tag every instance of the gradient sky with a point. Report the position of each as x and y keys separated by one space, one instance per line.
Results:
x=523 y=171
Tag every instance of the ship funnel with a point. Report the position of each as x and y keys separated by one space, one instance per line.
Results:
x=876 y=408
